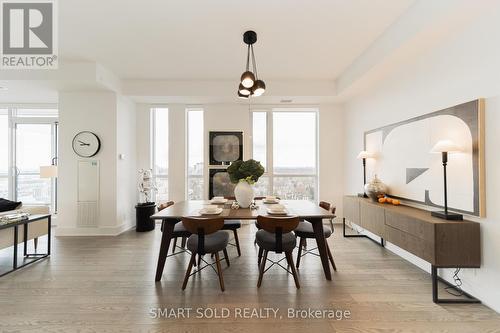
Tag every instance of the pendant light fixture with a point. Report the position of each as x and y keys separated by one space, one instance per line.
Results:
x=250 y=85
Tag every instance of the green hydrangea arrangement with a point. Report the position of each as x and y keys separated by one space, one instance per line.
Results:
x=249 y=171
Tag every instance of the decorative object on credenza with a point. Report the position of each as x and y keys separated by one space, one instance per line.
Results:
x=363 y=155
x=250 y=84
x=244 y=175
x=445 y=147
x=225 y=147
x=415 y=176
x=220 y=184
x=375 y=189
x=86 y=144
x=388 y=200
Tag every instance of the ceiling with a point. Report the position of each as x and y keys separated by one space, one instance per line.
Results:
x=202 y=40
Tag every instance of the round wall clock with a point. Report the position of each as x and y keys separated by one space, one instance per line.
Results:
x=86 y=144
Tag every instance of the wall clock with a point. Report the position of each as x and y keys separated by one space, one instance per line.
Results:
x=86 y=144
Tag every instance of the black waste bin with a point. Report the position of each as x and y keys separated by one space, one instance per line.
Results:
x=143 y=212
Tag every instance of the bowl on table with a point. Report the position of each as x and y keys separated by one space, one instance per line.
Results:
x=277 y=209
x=218 y=200
x=271 y=199
x=210 y=210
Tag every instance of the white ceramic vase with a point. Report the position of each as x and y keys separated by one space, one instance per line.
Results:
x=243 y=192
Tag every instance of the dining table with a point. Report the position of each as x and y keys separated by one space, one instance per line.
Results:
x=306 y=210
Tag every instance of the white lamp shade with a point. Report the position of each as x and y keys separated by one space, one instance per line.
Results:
x=48 y=171
x=446 y=146
x=364 y=154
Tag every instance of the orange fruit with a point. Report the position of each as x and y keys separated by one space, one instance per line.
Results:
x=388 y=200
x=396 y=202
x=381 y=200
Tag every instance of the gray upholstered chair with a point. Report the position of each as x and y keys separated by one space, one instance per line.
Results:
x=207 y=237
x=305 y=230
x=179 y=231
x=276 y=235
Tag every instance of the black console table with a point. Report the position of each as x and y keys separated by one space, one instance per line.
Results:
x=33 y=256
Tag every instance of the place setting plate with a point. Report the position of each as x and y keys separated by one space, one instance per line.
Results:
x=277 y=210
x=210 y=210
x=277 y=213
x=204 y=211
x=218 y=201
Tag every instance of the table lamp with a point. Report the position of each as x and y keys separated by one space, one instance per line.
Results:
x=50 y=171
x=363 y=155
x=445 y=147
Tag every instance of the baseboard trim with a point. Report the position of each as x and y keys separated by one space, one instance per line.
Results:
x=100 y=231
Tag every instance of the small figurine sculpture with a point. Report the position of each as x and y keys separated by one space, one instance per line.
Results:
x=146 y=185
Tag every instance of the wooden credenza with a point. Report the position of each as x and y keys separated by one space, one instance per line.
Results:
x=442 y=243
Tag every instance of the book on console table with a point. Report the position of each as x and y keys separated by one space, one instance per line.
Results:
x=11 y=218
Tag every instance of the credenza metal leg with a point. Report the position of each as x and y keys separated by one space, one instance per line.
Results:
x=382 y=242
x=435 y=295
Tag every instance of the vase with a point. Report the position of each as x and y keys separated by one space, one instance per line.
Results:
x=243 y=192
x=375 y=188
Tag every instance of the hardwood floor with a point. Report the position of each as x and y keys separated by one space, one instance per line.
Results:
x=106 y=284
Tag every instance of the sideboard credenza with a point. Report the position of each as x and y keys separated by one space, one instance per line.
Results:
x=442 y=243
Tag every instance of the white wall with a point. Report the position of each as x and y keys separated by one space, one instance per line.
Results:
x=113 y=120
x=237 y=117
x=126 y=173
x=463 y=68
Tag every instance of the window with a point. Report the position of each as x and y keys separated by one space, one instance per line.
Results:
x=28 y=140
x=33 y=149
x=259 y=144
x=4 y=153
x=195 y=183
x=159 y=118
x=291 y=173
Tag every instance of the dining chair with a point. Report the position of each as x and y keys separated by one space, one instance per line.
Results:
x=206 y=237
x=276 y=236
x=256 y=222
x=233 y=225
x=305 y=230
x=179 y=231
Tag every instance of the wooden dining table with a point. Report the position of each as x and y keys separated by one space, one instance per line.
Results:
x=304 y=209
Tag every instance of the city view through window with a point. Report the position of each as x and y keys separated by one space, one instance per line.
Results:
x=290 y=160
x=292 y=173
x=30 y=133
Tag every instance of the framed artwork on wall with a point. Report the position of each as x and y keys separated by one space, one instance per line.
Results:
x=225 y=147
x=403 y=161
x=219 y=184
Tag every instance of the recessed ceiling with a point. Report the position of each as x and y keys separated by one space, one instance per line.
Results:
x=202 y=40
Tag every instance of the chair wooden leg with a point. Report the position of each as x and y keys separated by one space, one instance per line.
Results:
x=261 y=251
x=219 y=271
x=331 y=257
x=175 y=245
x=199 y=260
x=289 y=258
x=35 y=242
x=262 y=268
x=226 y=257
x=188 y=271
x=237 y=241
x=299 y=252
x=183 y=243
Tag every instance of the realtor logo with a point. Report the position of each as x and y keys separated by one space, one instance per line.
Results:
x=29 y=38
